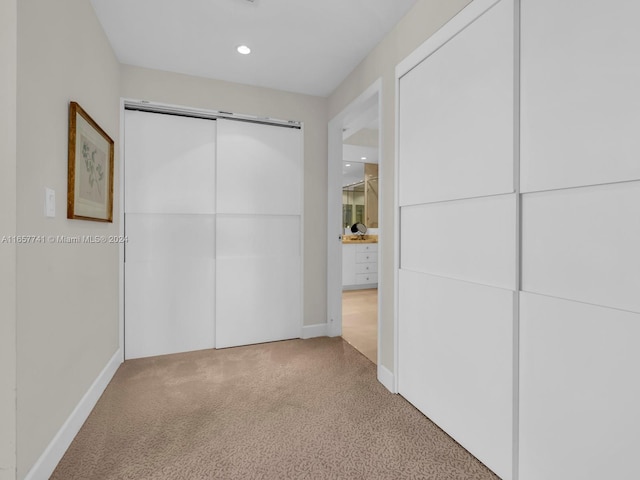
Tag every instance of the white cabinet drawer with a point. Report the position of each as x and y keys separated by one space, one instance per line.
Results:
x=359 y=265
x=366 y=257
x=365 y=278
x=367 y=247
x=366 y=268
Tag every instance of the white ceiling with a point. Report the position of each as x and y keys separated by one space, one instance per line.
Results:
x=352 y=156
x=358 y=153
x=354 y=173
x=303 y=46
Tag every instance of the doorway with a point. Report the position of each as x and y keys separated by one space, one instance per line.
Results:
x=354 y=180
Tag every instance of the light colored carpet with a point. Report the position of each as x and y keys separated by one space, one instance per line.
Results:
x=360 y=321
x=299 y=409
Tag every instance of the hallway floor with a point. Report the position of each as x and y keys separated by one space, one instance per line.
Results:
x=360 y=321
x=295 y=409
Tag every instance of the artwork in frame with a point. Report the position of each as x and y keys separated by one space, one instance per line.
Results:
x=90 y=184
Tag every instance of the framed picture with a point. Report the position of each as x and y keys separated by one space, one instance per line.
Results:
x=90 y=185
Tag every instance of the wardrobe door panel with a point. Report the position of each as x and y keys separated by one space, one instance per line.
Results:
x=259 y=237
x=472 y=240
x=582 y=244
x=169 y=270
x=580 y=102
x=456 y=115
x=259 y=169
x=163 y=237
x=169 y=163
x=459 y=233
x=258 y=299
x=456 y=361
x=169 y=284
x=579 y=390
x=169 y=307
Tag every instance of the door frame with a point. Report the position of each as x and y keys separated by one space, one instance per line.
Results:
x=121 y=246
x=369 y=97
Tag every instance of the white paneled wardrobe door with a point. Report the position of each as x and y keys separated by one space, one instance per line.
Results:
x=459 y=232
x=258 y=233
x=580 y=305
x=170 y=224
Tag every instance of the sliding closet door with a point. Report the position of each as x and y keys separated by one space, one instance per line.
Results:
x=458 y=237
x=580 y=176
x=170 y=225
x=258 y=233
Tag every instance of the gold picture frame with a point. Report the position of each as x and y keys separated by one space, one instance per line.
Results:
x=90 y=174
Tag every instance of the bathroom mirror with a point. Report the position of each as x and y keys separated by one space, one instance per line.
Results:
x=360 y=194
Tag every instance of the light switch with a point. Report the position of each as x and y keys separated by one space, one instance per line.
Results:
x=49 y=202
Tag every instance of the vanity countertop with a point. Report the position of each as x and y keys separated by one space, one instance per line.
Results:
x=357 y=239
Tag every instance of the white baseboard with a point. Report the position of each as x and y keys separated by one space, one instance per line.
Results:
x=54 y=452
x=385 y=377
x=317 y=330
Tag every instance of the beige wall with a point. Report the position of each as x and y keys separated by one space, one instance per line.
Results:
x=67 y=295
x=184 y=90
x=8 y=74
x=424 y=19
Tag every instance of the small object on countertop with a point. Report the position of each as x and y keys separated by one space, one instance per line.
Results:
x=359 y=228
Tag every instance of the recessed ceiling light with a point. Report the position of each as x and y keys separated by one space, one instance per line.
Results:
x=244 y=50
x=347 y=164
x=363 y=158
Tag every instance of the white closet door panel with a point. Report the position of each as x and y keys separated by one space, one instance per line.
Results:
x=258 y=236
x=170 y=306
x=161 y=238
x=473 y=240
x=257 y=300
x=169 y=163
x=456 y=115
x=579 y=391
x=455 y=361
x=580 y=101
x=259 y=169
x=169 y=284
x=582 y=244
